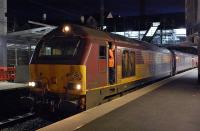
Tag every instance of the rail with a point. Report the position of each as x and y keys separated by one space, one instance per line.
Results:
x=15 y=119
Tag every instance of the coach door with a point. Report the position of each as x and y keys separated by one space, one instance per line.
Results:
x=173 y=63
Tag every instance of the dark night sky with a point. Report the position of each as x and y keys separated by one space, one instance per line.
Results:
x=59 y=11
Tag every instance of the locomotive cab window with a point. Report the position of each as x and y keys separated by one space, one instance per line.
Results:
x=102 y=52
x=59 y=50
x=128 y=63
x=47 y=50
x=60 y=47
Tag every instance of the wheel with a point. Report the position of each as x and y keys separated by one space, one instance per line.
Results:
x=82 y=104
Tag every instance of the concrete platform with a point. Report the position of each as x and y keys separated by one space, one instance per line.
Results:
x=171 y=104
x=11 y=86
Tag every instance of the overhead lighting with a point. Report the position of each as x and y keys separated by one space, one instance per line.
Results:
x=104 y=27
x=152 y=31
x=181 y=31
x=156 y=24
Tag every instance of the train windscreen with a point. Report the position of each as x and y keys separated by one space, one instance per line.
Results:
x=58 y=50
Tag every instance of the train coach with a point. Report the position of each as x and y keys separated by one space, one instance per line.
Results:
x=70 y=64
x=183 y=61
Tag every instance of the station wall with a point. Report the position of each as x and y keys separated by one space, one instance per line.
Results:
x=192 y=15
x=198 y=14
x=193 y=25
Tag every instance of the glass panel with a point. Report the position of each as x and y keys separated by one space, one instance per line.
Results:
x=132 y=63
x=102 y=52
x=128 y=64
x=59 y=47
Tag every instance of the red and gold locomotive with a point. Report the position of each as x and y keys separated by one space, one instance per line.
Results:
x=71 y=64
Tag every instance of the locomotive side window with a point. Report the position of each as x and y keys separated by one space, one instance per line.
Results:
x=102 y=52
x=128 y=64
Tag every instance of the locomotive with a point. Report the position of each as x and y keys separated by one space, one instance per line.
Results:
x=70 y=64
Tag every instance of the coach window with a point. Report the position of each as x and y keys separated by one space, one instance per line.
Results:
x=128 y=64
x=125 y=64
x=102 y=52
x=132 y=63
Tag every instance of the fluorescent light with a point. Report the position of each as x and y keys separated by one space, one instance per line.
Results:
x=156 y=24
x=181 y=31
x=152 y=31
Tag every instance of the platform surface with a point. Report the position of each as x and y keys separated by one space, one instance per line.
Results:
x=10 y=85
x=174 y=106
x=171 y=104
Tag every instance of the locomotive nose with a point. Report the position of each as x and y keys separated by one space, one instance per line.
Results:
x=59 y=78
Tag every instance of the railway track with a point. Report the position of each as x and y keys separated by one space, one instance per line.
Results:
x=16 y=119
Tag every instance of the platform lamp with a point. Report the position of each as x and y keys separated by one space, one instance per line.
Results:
x=44 y=17
x=82 y=19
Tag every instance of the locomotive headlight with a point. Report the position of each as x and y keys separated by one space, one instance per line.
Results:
x=66 y=29
x=74 y=86
x=78 y=87
x=32 y=84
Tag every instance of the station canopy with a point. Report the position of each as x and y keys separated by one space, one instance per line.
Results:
x=23 y=38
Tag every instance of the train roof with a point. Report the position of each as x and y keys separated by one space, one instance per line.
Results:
x=180 y=52
x=97 y=34
x=143 y=44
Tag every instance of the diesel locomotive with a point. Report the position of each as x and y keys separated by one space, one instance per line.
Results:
x=70 y=64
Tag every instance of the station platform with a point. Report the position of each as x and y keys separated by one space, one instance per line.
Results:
x=170 y=104
x=11 y=86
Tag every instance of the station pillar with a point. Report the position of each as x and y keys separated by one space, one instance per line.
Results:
x=3 y=18
x=3 y=51
x=198 y=42
x=3 y=33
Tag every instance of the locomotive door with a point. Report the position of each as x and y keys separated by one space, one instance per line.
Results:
x=102 y=64
x=112 y=70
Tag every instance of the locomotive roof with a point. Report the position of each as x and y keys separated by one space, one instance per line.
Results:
x=143 y=44
x=96 y=34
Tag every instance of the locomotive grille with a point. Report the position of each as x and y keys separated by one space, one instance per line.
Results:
x=76 y=76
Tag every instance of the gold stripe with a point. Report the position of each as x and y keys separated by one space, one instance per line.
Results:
x=141 y=71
